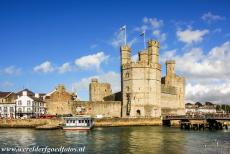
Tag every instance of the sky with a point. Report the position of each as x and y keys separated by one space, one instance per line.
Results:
x=44 y=43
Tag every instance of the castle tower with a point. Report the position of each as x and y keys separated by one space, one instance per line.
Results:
x=170 y=67
x=153 y=51
x=170 y=72
x=143 y=56
x=141 y=82
x=98 y=91
x=125 y=52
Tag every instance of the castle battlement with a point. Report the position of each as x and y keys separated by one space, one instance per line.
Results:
x=155 y=43
x=140 y=64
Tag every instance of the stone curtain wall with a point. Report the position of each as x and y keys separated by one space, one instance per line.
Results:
x=106 y=109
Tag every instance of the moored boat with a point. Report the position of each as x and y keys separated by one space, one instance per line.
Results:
x=78 y=123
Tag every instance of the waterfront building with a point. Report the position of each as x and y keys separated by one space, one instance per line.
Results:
x=29 y=105
x=7 y=104
x=59 y=101
x=198 y=108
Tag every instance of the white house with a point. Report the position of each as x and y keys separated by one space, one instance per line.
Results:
x=7 y=110
x=7 y=104
x=207 y=109
x=203 y=109
x=29 y=105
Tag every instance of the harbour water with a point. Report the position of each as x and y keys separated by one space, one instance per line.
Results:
x=138 y=139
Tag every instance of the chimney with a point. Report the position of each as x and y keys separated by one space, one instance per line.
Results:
x=37 y=95
x=24 y=93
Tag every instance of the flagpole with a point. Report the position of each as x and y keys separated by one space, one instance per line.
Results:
x=144 y=41
x=125 y=35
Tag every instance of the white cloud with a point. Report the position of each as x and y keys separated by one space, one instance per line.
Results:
x=167 y=55
x=45 y=67
x=195 y=63
x=209 y=17
x=155 y=26
x=93 y=61
x=158 y=34
x=66 y=67
x=118 y=39
x=111 y=77
x=149 y=24
x=11 y=70
x=133 y=41
x=135 y=57
x=217 y=93
x=207 y=73
x=191 y=36
x=155 y=23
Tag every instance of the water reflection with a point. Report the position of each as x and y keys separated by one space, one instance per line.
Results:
x=145 y=139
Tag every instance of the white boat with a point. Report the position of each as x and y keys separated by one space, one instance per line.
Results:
x=78 y=123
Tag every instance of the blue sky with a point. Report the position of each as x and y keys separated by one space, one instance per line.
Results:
x=47 y=42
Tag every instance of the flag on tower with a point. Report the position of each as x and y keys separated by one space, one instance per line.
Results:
x=143 y=33
x=123 y=28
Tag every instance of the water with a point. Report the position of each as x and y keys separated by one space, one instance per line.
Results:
x=143 y=139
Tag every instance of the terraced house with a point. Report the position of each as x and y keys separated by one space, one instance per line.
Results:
x=29 y=104
x=7 y=104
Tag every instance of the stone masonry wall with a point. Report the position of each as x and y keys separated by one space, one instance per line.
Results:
x=106 y=109
x=59 y=102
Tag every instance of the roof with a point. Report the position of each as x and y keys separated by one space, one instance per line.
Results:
x=29 y=93
x=4 y=94
x=36 y=99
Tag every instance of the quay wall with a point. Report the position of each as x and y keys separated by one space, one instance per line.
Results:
x=28 y=123
x=104 y=122
x=128 y=122
x=33 y=123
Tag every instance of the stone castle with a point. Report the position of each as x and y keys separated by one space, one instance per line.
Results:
x=144 y=92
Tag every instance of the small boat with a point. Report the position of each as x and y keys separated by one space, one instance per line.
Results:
x=78 y=123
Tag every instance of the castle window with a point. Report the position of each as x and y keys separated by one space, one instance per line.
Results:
x=138 y=112
x=127 y=75
x=127 y=88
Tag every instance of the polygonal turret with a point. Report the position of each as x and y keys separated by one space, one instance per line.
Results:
x=170 y=67
x=153 y=51
x=125 y=52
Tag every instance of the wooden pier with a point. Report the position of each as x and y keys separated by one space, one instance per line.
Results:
x=199 y=122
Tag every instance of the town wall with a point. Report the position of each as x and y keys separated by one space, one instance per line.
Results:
x=105 y=109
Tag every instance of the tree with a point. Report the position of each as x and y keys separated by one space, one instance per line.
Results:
x=198 y=104
x=209 y=104
x=218 y=107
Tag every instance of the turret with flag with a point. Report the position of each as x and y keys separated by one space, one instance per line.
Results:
x=143 y=35
x=123 y=29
